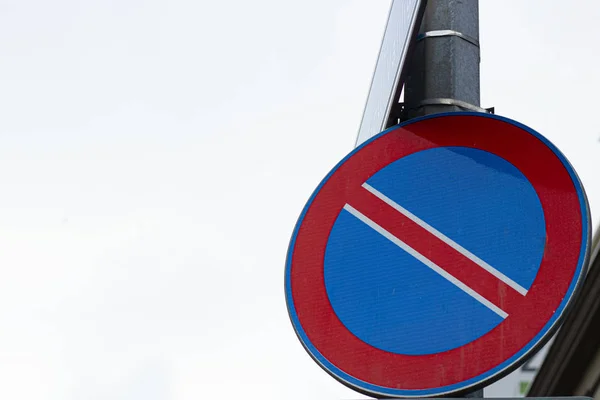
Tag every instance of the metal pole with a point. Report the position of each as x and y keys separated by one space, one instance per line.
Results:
x=444 y=72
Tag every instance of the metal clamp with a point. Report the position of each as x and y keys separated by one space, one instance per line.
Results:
x=453 y=102
x=448 y=32
x=402 y=113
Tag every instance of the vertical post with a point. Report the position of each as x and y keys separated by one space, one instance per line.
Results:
x=444 y=72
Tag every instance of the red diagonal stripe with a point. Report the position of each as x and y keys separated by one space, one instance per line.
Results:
x=447 y=258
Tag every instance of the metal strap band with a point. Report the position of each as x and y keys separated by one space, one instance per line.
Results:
x=448 y=32
x=453 y=102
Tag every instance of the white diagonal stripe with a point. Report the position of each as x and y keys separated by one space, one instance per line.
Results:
x=446 y=240
x=372 y=224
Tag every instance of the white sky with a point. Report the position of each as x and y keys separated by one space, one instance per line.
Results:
x=154 y=157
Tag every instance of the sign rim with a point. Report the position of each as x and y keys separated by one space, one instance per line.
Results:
x=512 y=362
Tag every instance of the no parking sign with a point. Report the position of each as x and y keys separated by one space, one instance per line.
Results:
x=437 y=256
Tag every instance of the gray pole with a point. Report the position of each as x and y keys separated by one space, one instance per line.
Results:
x=444 y=73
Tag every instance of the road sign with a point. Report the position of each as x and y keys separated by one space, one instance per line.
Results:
x=401 y=30
x=437 y=256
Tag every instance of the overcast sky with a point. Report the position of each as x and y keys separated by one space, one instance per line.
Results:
x=154 y=157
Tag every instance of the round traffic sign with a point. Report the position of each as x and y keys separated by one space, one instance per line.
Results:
x=437 y=256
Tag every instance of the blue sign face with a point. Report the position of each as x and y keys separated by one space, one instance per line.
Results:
x=475 y=198
x=437 y=256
